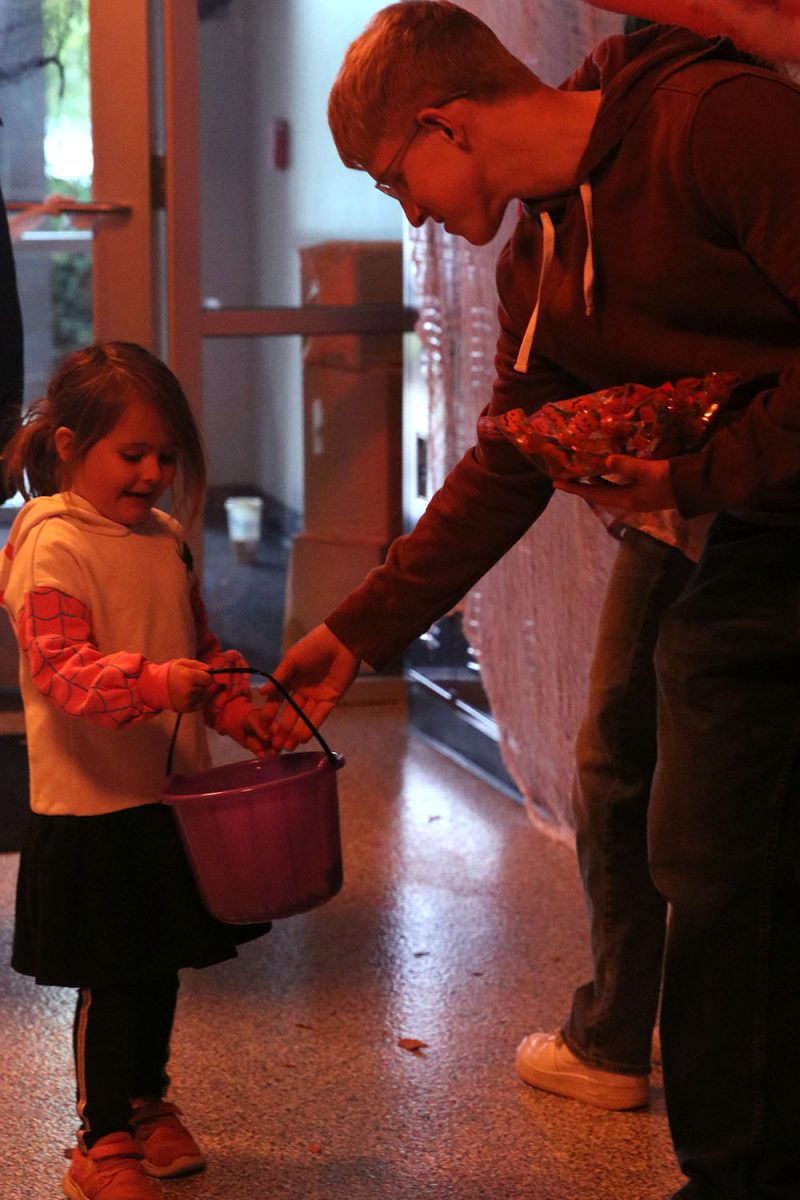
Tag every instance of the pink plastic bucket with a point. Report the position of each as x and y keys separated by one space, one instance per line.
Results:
x=262 y=836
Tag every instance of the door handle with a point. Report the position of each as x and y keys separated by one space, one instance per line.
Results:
x=87 y=208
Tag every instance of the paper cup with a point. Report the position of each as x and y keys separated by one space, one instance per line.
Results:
x=244 y=525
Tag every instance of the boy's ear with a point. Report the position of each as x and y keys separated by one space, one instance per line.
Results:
x=451 y=126
x=64 y=441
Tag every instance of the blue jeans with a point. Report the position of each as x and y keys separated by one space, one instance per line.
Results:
x=612 y=1017
x=725 y=853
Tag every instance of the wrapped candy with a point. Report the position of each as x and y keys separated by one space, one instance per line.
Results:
x=570 y=439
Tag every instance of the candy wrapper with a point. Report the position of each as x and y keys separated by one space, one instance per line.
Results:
x=570 y=439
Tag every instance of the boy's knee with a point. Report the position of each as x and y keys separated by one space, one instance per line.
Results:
x=701 y=889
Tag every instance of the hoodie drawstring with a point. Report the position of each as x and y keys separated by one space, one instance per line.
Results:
x=588 y=262
x=548 y=251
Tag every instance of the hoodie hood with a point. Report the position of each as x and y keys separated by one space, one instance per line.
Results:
x=62 y=505
x=626 y=70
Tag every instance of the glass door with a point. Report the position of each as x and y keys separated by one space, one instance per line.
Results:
x=75 y=173
x=46 y=150
x=291 y=309
x=204 y=212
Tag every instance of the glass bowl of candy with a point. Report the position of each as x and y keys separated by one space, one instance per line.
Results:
x=571 y=439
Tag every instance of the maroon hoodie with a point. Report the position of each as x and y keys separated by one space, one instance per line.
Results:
x=676 y=254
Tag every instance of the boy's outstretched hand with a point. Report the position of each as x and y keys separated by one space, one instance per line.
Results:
x=317 y=671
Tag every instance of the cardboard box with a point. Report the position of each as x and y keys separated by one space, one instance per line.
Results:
x=352 y=450
x=351 y=272
x=321 y=573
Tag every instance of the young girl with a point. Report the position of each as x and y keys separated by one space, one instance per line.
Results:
x=98 y=584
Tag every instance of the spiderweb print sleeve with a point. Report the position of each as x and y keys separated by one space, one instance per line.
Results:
x=55 y=635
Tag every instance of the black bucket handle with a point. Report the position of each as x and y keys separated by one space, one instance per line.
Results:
x=334 y=759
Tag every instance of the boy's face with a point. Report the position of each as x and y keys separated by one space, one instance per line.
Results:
x=434 y=175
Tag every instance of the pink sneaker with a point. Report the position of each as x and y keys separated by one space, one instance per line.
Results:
x=111 y=1170
x=167 y=1147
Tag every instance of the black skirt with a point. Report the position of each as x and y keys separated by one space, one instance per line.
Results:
x=110 y=899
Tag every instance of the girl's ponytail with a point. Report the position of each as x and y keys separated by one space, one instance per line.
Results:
x=30 y=461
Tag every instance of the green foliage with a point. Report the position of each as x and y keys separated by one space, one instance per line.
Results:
x=66 y=44
x=65 y=35
x=71 y=291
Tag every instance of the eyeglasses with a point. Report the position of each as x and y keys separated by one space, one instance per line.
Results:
x=386 y=181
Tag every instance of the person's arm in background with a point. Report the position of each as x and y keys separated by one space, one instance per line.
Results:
x=759 y=26
x=32 y=215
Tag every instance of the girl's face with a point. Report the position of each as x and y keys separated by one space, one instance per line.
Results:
x=124 y=474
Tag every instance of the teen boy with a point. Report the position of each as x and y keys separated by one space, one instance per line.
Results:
x=660 y=238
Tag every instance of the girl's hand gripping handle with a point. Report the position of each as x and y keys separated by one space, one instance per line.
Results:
x=190 y=685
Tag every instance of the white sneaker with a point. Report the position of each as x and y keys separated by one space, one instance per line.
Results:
x=545 y=1061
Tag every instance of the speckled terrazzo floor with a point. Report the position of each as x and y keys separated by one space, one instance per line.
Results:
x=459 y=924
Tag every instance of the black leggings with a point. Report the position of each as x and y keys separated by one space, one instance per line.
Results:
x=121 y=1045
